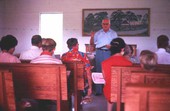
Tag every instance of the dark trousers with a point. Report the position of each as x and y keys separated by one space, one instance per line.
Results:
x=101 y=55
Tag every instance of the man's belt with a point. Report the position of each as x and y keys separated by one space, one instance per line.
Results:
x=102 y=49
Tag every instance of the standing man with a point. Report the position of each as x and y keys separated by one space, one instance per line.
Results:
x=102 y=39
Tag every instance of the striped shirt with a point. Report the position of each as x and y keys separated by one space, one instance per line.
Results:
x=47 y=59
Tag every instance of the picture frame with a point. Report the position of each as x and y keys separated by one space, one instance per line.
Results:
x=125 y=21
x=134 y=48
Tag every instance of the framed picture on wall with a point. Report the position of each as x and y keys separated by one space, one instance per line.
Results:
x=125 y=21
x=133 y=48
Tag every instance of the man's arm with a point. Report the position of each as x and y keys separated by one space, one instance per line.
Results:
x=92 y=38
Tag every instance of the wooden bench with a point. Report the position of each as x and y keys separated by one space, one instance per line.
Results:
x=7 y=97
x=147 y=97
x=155 y=77
x=159 y=67
x=40 y=81
x=122 y=75
x=76 y=81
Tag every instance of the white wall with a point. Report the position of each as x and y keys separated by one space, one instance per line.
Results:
x=22 y=19
x=1 y=16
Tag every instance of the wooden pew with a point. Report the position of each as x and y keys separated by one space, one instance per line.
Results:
x=159 y=67
x=40 y=81
x=155 y=77
x=122 y=75
x=147 y=97
x=7 y=97
x=76 y=81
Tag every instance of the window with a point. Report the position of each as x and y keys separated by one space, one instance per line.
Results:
x=51 y=26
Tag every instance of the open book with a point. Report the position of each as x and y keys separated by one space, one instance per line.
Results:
x=97 y=78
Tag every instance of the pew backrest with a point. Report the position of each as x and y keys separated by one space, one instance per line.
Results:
x=159 y=67
x=123 y=75
x=150 y=77
x=7 y=96
x=76 y=81
x=147 y=97
x=77 y=74
x=120 y=76
x=39 y=81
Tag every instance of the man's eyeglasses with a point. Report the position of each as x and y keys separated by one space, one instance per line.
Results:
x=105 y=23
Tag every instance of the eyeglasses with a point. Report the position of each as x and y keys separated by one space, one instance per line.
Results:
x=105 y=23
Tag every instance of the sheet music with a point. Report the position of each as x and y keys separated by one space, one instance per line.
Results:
x=97 y=78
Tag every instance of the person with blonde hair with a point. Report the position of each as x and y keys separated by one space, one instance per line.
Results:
x=148 y=60
x=48 y=48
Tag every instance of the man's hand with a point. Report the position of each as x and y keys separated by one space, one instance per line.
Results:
x=92 y=38
x=92 y=34
x=108 y=46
